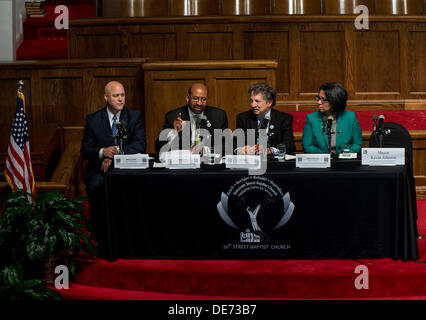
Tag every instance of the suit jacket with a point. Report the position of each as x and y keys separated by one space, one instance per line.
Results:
x=348 y=133
x=280 y=128
x=98 y=134
x=216 y=118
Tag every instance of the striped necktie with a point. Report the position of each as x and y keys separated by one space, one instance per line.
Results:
x=114 y=128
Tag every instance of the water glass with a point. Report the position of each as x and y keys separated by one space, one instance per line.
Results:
x=281 y=152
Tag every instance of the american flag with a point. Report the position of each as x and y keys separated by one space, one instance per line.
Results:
x=19 y=172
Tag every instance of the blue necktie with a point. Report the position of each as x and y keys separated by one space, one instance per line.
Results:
x=114 y=128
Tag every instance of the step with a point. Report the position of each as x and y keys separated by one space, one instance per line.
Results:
x=42 y=49
x=296 y=279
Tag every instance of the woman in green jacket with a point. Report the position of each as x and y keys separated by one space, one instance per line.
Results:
x=345 y=132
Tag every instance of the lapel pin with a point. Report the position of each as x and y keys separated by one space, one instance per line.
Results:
x=209 y=124
x=271 y=127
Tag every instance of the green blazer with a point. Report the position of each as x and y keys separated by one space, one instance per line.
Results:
x=348 y=133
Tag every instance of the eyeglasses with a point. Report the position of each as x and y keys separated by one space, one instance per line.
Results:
x=202 y=99
x=319 y=98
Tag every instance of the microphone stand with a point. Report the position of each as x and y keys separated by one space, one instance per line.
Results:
x=380 y=132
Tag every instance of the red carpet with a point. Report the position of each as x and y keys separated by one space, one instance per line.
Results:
x=251 y=279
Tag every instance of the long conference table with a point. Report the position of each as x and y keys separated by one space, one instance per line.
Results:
x=345 y=211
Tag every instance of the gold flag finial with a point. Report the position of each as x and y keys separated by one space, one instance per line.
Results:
x=20 y=85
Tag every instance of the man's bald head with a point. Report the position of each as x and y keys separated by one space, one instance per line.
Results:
x=115 y=96
x=197 y=97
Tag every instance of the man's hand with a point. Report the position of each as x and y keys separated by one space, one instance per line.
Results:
x=246 y=150
x=105 y=165
x=110 y=152
x=178 y=123
x=196 y=149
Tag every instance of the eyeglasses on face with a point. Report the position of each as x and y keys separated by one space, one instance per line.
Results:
x=196 y=99
x=319 y=98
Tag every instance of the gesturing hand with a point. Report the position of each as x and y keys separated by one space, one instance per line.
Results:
x=178 y=123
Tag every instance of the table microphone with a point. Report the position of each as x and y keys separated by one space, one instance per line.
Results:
x=375 y=118
x=203 y=121
x=324 y=124
x=264 y=122
x=380 y=125
x=329 y=124
x=121 y=127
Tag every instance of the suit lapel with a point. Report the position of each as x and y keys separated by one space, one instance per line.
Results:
x=106 y=125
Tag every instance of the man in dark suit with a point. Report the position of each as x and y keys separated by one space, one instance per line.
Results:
x=196 y=114
x=99 y=146
x=278 y=125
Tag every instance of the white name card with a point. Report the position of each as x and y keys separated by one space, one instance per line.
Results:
x=382 y=156
x=182 y=159
x=313 y=160
x=348 y=155
x=131 y=161
x=242 y=162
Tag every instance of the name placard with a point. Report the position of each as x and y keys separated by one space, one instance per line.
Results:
x=243 y=162
x=348 y=155
x=182 y=159
x=313 y=160
x=382 y=156
x=131 y=161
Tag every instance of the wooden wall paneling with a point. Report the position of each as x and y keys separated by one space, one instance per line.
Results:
x=95 y=42
x=144 y=8
x=347 y=6
x=322 y=51
x=61 y=97
x=417 y=63
x=194 y=7
x=377 y=62
x=399 y=7
x=294 y=63
x=349 y=59
x=291 y=7
x=238 y=48
x=166 y=85
x=153 y=41
x=246 y=7
x=206 y=42
x=403 y=60
x=263 y=41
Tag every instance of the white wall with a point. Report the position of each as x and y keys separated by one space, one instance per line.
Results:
x=12 y=16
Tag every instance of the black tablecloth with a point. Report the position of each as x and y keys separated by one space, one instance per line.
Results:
x=347 y=211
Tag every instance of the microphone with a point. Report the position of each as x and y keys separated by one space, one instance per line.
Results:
x=122 y=131
x=380 y=125
x=203 y=121
x=264 y=120
x=329 y=123
x=375 y=117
